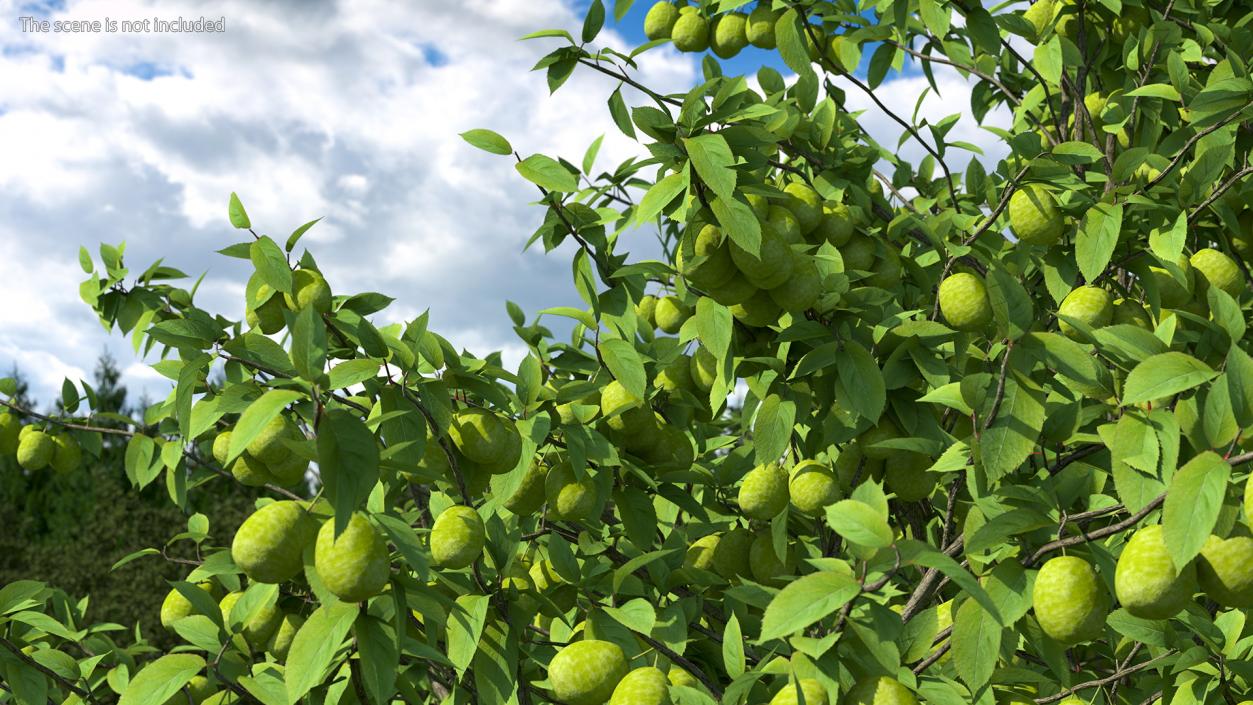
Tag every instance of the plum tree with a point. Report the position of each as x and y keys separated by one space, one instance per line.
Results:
x=838 y=419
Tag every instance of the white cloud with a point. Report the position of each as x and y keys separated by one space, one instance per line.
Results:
x=349 y=111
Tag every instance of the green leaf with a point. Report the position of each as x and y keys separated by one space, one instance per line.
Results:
x=733 y=648
x=859 y=523
x=594 y=21
x=772 y=430
x=239 y=218
x=1193 y=502
x=1156 y=90
x=976 y=644
x=488 y=141
x=625 y=364
x=712 y=158
x=637 y=615
x=350 y=372
x=793 y=48
x=1163 y=375
x=739 y=222
x=1010 y=302
x=1076 y=153
x=315 y=645
x=918 y=553
x=256 y=416
x=465 y=626
x=299 y=233
x=935 y=15
x=661 y=194
x=547 y=173
x=1048 y=60
x=862 y=380
x=161 y=679
x=271 y=264
x=1240 y=379
x=805 y=601
x=1011 y=437
x=348 y=458
x=1098 y=235
x=380 y=657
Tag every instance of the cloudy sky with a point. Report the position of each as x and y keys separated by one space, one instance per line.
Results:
x=345 y=110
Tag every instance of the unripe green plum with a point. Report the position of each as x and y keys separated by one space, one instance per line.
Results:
x=730 y=555
x=569 y=498
x=737 y=290
x=760 y=27
x=258 y=629
x=67 y=455
x=267 y=314
x=964 y=302
x=759 y=311
x=703 y=368
x=765 y=565
x=1248 y=501
x=858 y=253
x=836 y=225
x=785 y=222
x=670 y=450
x=805 y=204
x=764 y=492
x=701 y=553
x=354 y=566
x=251 y=472
x=643 y=686
x=814 y=692
x=906 y=476
x=587 y=672
x=706 y=259
x=10 y=430
x=881 y=432
x=646 y=310
x=887 y=268
x=1070 y=602
x=671 y=314
x=1172 y=292
x=1225 y=571
x=847 y=463
x=813 y=487
x=660 y=20
x=175 y=606
x=270 y=445
x=35 y=450
x=457 y=537
x=280 y=643
x=1035 y=216
x=309 y=289
x=676 y=376
x=1132 y=313
x=880 y=690
x=690 y=32
x=801 y=290
x=1040 y=15
x=771 y=265
x=529 y=496
x=678 y=676
x=1146 y=581
x=270 y=544
x=289 y=470
x=615 y=398
x=1219 y=270
x=727 y=34
x=221 y=447
x=1089 y=304
x=485 y=438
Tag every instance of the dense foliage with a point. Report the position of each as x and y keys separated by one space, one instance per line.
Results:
x=991 y=439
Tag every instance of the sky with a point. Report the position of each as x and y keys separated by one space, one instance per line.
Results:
x=349 y=111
